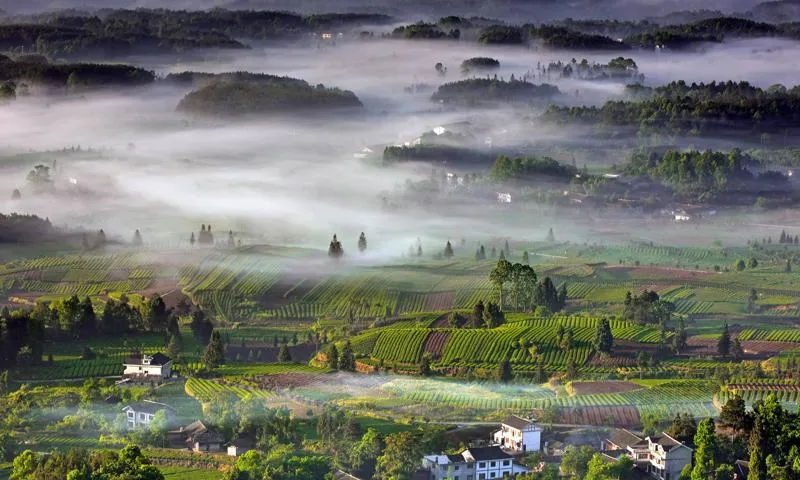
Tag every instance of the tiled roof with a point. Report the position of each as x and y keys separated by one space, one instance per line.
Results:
x=514 y=421
x=625 y=438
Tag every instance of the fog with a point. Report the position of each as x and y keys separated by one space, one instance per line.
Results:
x=297 y=181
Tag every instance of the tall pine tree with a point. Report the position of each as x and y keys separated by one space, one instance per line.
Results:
x=724 y=343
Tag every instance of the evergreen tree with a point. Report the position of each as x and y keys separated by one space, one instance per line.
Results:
x=101 y=238
x=499 y=276
x=740 y=265
x=174 y=347
x=493 y=253
x=477 y=314
x=419 y=250
x=752 y=306
x=752 y=263
x=736 y=349
x=333 y=357
x=679 y=340
x=758 y=461
x=734 y=413
x=788 y=267
x=550 y=237
x=191 y=239
x=541 y=376
x=448 y=250
x=137 y=238
x=504 y=371
x=502 y=256
x=214 y=354
x=155 y=314
x=335 y=250
x=347 y=359
x=724 y=343
x=572 y=369
x=87 y=321
x=231 y=240
x=284 y=355
x=506 y=250
x=425 y=366
x=525 y=258
x=562 y=296
x=603 y=339
x=706 y=447
x=362 y=242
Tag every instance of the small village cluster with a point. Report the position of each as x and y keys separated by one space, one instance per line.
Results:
x=661 y=457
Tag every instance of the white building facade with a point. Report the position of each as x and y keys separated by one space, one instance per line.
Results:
x=518 y=436
x=139 y=415
x=156 y=366
x=479 y=463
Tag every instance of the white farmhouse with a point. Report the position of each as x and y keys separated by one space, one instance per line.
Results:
x=503 y=197
x=477 y=463
x=518 y=436
x=661 y=456
x=140 y=414
x=149 y=367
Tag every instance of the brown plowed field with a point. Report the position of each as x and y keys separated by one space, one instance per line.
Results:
x=436 y=302
x=435 y=343
x=282 y=381
x=617 y=415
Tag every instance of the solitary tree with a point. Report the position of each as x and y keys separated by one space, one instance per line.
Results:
x=724 y=344
x=137 y=238
x=550 y=237
x=705 y=441
x=335 y=250
x=191 y=240
x=788 y=267
x=419 y=250
x=679 y=340
x=333 y=357
x=448 y=250
x=752 y=306
x=740 y=265
x=499 y=275
x=525 y=258
x=758 y=461
x=425 y=366
x=477 y=314
x=504 y=372
x=347 y=360
x=214 y=354
x=752 y=263
x=603 y=339
x=362 y=242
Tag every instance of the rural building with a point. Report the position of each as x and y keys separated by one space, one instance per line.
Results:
x=476 y=463
x=197 y=438
x=661 y=456
x=140 y=414
x=148 y=367
x=240 y=446
x=518 y=436
x=503 y=197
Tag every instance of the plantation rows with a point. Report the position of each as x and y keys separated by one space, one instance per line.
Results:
x=692 y=306
x=299 y=310
x=103 y=263
x=401 y=345
x=790 y=400
x=410 y=302
x=784 y=335
x=366 y=296
x=83 y=289
x=102 y=367
x=365 y=344
x=209 y=390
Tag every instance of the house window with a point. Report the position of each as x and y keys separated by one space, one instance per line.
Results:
x=482 y=476
x=494 y=474
x=455 y=478
x=456 y=467
x=505 y=463
x=494 y=464
x=481 y=464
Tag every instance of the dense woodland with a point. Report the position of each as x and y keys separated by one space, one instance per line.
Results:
x=726 y=109
x=116 y=33
x=74 y=76
x=277 y=96
x=476 y=91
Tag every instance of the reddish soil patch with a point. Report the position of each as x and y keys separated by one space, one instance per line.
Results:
x=435 y=343
x=32 y=275
x=615 y=361
x=588 y=388
x=442 y=322
x=282 y=381
x=439 y=301
x=766 y=348
x=620 y=416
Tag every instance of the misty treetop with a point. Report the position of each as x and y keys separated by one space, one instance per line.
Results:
x=479 y=63
x=475 y=91
x=75 y=76
x=117 y=32
x=428 y=31
x=732 y=109
x=558 y=37
x=247 y=98
x=191 y=78
x=507 y=168
x=706 y=30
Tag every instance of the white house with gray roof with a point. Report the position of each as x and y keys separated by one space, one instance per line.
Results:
x=140 y=414
x=518 y=436
x=662 y=456
x=476 y=463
